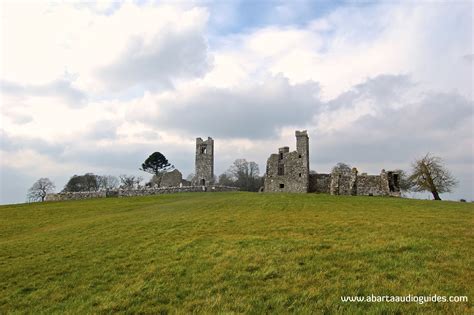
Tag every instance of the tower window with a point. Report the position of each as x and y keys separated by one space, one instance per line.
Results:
x=281 y=156
x=281 y=170
x=282 y=185
x=300 y=174
x=203 y=149
x=299 y=156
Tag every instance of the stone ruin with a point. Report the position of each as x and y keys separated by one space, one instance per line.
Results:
x=286 y=172
x=289 y=172
x=171 y=182
x=204 y=167
x=120 y=193
x=174 y=179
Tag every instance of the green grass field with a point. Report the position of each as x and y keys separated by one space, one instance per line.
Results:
x=234 y=253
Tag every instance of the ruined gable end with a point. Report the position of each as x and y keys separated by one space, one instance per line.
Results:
x=171 y=179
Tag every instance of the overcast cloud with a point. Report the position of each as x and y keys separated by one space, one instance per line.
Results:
x=61 y=89
x=168 y=56
x=251 y=112
x=97 y=88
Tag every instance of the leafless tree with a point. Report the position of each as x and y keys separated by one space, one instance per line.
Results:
x=342 y=168
x=107 y=182
x=40 y=189
x=130 y=181
x=225 y=179
x=244 y=174
x=429 y=174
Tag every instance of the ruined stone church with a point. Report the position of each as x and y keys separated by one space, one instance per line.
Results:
x=289 y=172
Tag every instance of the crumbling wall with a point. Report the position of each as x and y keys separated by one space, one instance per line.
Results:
x=171 y=179
x=350 y=183
x=392 y=183
x=185 y=182
x=135 y=192
x=385 y=184
x=76 y=195
x=343 y=183
x=289 y=171
x=369 y=185
x=172 y=190
x=319 y=183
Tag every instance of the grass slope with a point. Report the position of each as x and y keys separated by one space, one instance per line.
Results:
x=234 y=253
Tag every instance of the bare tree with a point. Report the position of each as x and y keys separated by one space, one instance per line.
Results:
x=429 y=174
x=342 y=168
x=244 y=174
x=106 y=182
x=40 y=189
x=225 y=179
x=254 y=171
x=130 y=181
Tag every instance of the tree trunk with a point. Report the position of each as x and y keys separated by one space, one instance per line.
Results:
x=436 y=195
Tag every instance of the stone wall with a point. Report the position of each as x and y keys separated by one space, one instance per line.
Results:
x=171 y=179
x=76 y=195
x=289 y=171
x=319 y=183
x=173 y=190
x=136 y=192
x=369 y=185
x=343 y=183
x=385 y=184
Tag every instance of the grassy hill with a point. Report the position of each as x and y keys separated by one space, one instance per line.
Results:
x=234 y=253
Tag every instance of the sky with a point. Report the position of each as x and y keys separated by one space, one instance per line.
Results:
x=97 y=87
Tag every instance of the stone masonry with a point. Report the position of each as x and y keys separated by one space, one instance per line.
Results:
x=135 y=192
x=204 y=172
x=289 y=172
x=171 y=182
x=172 y=179
x=385 y=184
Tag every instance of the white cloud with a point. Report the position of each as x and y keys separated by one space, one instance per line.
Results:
x=249 y=111
x=352 y=44
x=99 y=50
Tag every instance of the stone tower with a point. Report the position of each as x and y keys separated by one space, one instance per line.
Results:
x=302 y=147
x=289 y=171
x=204 y=172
